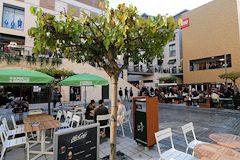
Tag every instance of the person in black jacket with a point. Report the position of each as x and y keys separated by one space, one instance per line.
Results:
x=120 y=93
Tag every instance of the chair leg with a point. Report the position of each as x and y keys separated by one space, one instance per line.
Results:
x=3 y=152
x=187 y=150
x=130 y=126
x=27 y=145
x=122 y=130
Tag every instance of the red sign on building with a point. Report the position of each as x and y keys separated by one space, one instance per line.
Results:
x=185 y=23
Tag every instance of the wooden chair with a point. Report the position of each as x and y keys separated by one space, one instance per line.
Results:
x=127 y=116
x=172 y=153
x=104 y=118
x=9 y=143
x=15 y=124
x=189 y=128
x=75 y=121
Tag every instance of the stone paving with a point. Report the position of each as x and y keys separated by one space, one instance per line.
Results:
x=205 y=121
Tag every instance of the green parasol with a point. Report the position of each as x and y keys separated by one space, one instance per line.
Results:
x=23 y=76
x=84 y=79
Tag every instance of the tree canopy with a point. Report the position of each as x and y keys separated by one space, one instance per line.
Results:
x=233 y=76
x=168 y=79
x=102 y=39
x=56 y=73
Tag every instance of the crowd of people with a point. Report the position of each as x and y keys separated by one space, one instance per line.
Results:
x=184 y=94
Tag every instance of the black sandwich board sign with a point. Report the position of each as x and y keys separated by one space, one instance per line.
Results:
x=80 y=143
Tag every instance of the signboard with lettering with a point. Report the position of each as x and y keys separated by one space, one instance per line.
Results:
x=77 y=143
x=185 y=23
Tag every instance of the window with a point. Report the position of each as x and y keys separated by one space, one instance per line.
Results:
x=172 y=50
x=210 y=63
x=13 y=17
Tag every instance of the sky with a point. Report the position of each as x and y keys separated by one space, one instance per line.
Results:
x=154 y=7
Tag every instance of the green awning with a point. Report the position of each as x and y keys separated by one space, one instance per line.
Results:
x=23 y=76
x=84 y=79
x=172 y=61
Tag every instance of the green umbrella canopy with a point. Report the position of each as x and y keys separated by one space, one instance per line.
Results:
x=84 y=79
x=23 y=76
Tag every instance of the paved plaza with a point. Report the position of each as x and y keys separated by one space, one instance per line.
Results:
x=206 y=121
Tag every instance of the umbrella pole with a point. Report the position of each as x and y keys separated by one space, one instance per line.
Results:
x=49 y=100
x=85 y=96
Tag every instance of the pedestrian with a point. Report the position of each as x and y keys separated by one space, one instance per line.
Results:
x=55 y=97
x=131 y=93
x=120 y=93
x=126 y=93
x=59 y=97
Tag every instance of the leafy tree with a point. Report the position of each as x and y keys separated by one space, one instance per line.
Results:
x=56 y=73
x=168 y=79
x=233 y=76
x=117 y=35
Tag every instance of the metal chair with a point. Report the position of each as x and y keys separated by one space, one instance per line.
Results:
x=104 y=118
x=171 y=153
x=8 y=143
x=189 y=128
x=12 y=132
x=15 y=124
x=75 y=121
x=127 y=116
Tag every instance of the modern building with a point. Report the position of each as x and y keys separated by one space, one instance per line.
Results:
x=148 y=74
x=16 y=19
x=211 y=43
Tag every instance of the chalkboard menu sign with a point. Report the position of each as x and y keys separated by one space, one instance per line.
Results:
x=77 y=143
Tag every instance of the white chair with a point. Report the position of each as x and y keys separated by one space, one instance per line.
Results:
x=68 y=120
x=127 y=116
x=15 y=124
x=75 y=121
x=187 y=128
x=12 y=132
x=172 y=153
x=104 y=118
x=85 y=121
x=59 y=115
x=8 y=143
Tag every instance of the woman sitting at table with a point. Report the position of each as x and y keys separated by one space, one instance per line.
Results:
x=89 y=114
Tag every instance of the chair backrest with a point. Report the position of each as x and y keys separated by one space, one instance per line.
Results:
x=69 y=117
x=59 y=115
x=3 y=134
x=187 y=128
x=127 y=116
x=106 y=118
x=14 y=122
x=75 y=121
x=163 y=134
x=64 y=114
x=5 y=125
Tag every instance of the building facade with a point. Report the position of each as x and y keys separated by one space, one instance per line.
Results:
x=16 y=19
x=211 y=43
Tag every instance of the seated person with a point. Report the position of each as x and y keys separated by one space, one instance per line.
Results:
x=120 y=113
x=100 y=110
x=215 y=99
x=89 y=114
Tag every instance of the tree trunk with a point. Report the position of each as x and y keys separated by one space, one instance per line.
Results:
x=113 y=127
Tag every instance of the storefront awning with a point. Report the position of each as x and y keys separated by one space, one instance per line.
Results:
x=172 y=61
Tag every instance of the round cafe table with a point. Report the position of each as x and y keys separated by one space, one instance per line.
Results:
x=215 y=152
x=227 y=140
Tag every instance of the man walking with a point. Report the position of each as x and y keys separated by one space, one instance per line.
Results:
x=126 y=93
x=120 y=93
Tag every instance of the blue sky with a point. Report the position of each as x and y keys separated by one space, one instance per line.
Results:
x=154 y=7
